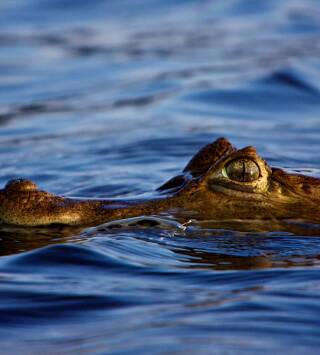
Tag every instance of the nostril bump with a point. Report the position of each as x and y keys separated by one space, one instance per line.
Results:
x=21 y=185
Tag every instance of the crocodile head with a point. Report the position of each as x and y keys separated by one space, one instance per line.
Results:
x=222 y=182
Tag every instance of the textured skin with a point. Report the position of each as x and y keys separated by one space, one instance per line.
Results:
x=207 y=156
x=202 y=191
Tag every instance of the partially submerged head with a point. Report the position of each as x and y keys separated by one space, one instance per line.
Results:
x=219 y=183
x=223 y=182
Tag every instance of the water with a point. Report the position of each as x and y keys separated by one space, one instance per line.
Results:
x=111 y=98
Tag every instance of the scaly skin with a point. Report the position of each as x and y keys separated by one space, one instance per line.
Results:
x=219 y=183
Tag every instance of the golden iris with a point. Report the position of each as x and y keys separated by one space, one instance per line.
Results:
x=242 y=170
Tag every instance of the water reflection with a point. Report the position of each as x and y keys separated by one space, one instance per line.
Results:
x=224 y=245
x=15 y=240
x=216 y=260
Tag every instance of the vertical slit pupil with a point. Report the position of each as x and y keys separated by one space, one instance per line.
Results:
x=243 y=170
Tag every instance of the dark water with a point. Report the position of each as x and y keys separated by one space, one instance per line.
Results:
x=111 y=98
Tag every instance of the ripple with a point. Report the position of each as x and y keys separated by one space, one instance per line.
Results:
x=281 y=94
x=141 y=221
x=291 y=79
x=57 y=256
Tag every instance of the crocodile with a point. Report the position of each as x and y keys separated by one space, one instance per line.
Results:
x=219 y=183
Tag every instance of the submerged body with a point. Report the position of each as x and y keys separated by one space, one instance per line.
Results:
x=219 y=183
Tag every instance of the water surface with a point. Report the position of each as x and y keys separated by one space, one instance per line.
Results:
x=111 y=98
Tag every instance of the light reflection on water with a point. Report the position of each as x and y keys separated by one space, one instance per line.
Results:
x=112 y=99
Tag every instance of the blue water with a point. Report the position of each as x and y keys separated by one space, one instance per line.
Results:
x=111 y=98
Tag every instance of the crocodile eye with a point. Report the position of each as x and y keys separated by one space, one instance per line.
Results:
x=242 y=170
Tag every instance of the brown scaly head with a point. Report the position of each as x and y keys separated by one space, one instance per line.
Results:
x=221 y=182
